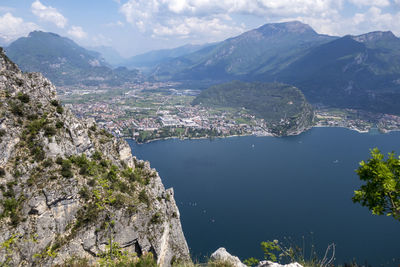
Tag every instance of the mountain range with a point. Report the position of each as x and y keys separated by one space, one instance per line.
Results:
x=64 y=62
x=361 y=72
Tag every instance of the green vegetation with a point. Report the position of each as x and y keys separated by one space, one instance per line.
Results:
x=277 y=251
x=282 y=106
x=381 y=193
x=24 y=98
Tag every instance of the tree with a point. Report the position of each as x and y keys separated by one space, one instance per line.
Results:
x=381 y=193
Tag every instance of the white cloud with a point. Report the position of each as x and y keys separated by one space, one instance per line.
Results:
x=77 y=32
x=48 y=13
x=196 y=18
x=378 y=3
x=176 y=16
x=196 y=27
x=12 y=27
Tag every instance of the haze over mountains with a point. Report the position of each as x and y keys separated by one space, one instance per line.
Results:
x=64 y=62
x=360 y=72
x=149 y=60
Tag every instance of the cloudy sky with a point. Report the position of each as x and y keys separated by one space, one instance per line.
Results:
x=137 y=26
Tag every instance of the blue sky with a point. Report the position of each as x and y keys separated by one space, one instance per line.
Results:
x=137 y=26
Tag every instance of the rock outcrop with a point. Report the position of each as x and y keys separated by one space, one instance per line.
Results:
x=223 y=256
x=69 y=189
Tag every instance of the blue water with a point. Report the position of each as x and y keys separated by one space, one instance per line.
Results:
x=237 y=192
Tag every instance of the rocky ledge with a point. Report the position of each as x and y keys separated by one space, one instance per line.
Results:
x=69 y=189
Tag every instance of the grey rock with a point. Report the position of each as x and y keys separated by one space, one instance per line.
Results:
x=48 y=225
x=223 y=256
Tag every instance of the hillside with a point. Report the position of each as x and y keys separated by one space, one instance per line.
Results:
x=283 y=107
x=266 y=49
x=69 y=189
x=360 y=72
x=63 y=61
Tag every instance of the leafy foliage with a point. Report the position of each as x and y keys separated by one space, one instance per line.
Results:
x=381 y=193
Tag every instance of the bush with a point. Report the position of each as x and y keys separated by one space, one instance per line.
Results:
x=156 y=219
x=24 y=98
x=47 y=163
x=17 y=109
x=59 y=160
x=59 y=124
x=60 y=109
x=96 y=155
x=55 y=102
x=66 y=169
x=144 y=198
x=49 y=131
x=84 y=193
x=2 y=172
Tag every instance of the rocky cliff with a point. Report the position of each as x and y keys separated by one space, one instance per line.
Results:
x=69 y=189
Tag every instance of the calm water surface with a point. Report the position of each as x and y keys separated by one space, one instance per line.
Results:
x=237 y=192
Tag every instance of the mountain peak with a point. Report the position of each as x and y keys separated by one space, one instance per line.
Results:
x=375 y=36
x=42 y=33
x=296 y=27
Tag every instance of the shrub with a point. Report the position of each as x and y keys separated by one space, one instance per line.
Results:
x=32 y=117
x=84 y=193
x=60 y=109
x=2 y=172
x=37 y=152
x=24 y=98
x=49 y=131
x=59 y=124
x=156 y=219
x=47 y=163
x=59 y=160
x=17 y=109
x=144 y=198
x=96 y=155
x=55 y=102
x=66 y=169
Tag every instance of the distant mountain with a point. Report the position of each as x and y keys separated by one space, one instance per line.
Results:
x=109 y=54
x=283 y=107
x=63 y=61
x=354 y=71
x=151 y=59
x=267 y=49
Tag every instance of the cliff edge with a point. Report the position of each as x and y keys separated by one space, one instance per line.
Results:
x=68 y=188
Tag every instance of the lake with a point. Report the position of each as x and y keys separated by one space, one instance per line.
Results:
x=237 y=192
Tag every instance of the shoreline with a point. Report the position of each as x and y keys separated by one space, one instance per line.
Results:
x=261 y=135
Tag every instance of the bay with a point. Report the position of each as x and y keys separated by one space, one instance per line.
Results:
x=237 y=192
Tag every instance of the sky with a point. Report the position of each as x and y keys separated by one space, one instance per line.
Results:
x=137 y=26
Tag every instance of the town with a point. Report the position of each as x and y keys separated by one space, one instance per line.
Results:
x=151 y=111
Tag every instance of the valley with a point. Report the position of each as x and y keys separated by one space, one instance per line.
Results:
x=153 y=111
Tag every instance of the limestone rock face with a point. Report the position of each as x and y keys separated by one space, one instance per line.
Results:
x=221 y=255
x=69 y=189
